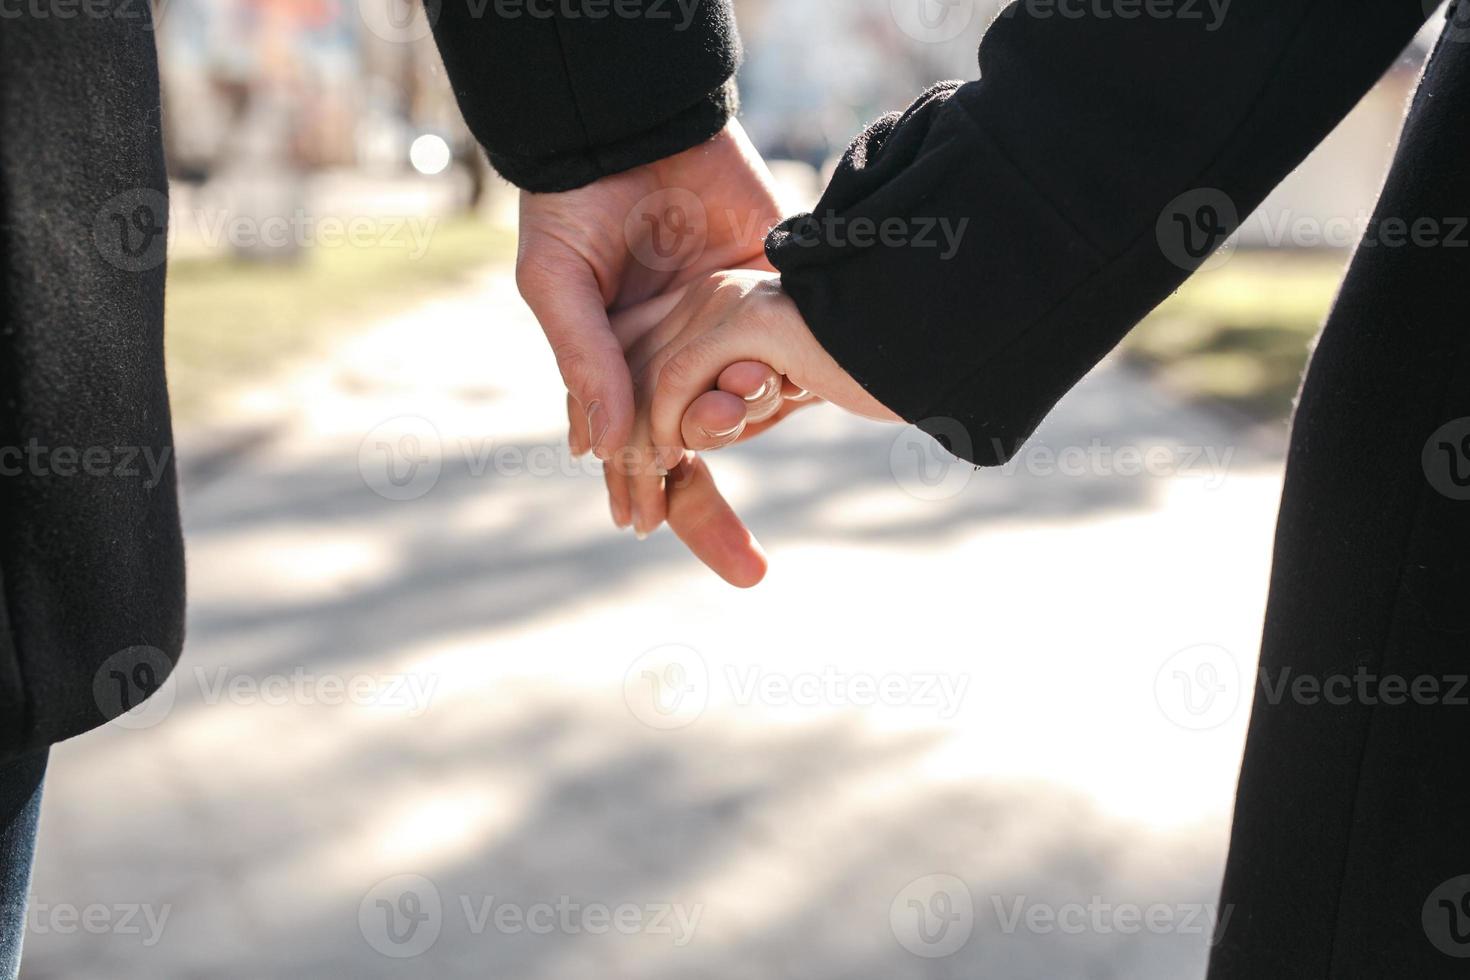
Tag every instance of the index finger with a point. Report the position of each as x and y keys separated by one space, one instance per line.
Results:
x=568 y=304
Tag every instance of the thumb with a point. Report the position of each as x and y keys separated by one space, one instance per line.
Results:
x=566 y=299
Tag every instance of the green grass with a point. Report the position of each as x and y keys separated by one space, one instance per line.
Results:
x=229 y=322
x=1239 y=335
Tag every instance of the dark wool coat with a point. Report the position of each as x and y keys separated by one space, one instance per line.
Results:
x=1097 y=160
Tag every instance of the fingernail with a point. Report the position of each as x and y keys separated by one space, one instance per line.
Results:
x=597 y=428
x=641 y=535
x=724 y=433
x=759 y=393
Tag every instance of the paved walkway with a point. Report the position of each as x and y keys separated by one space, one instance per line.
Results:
x=475 y=732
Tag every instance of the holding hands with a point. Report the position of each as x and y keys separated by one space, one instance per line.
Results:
x=730 y=359
x=665 y=359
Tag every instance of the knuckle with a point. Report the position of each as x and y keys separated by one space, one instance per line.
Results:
x=578 y=370
x=531 y=279
x=678 y=373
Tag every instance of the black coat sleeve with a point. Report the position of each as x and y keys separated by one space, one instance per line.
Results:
x=975 y=256
x=561 y=93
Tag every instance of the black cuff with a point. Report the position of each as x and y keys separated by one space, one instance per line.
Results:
x=923 y=286
x=577 y=168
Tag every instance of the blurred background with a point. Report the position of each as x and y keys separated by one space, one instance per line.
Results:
x=446 y=721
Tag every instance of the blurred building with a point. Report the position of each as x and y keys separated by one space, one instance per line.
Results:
x=346 y=86
x=817 y=71
x=309 y=82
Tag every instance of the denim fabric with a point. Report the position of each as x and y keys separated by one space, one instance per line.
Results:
x=20 y=809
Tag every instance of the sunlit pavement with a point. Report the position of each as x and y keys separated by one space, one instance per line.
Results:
x=445 y=721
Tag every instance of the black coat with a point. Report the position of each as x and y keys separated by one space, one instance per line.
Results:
x=1096 y=160
x=91 y=561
